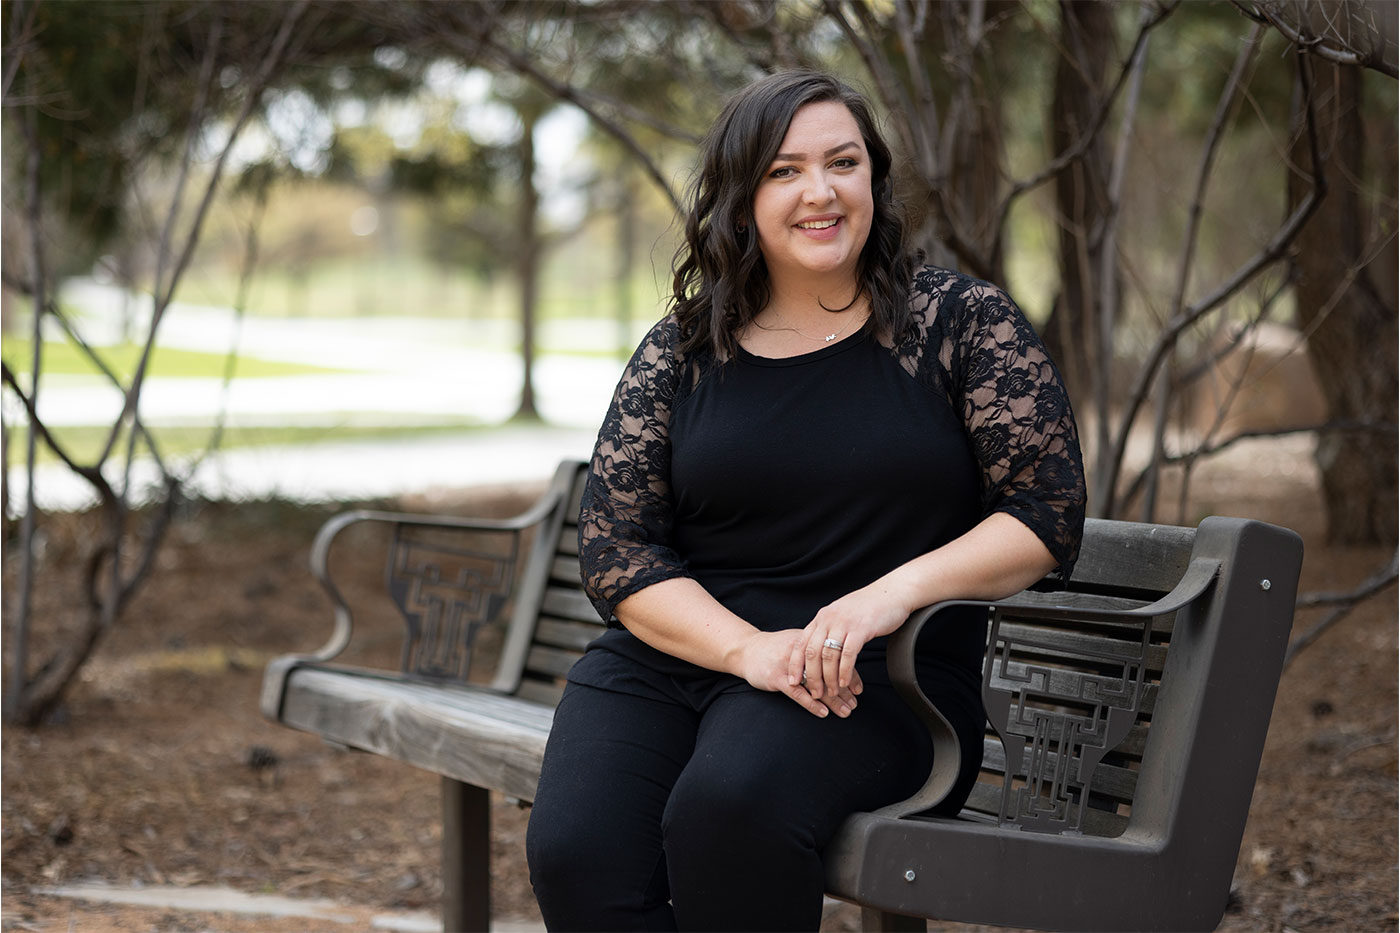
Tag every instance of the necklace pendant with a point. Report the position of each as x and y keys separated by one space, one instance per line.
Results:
x=828 y=338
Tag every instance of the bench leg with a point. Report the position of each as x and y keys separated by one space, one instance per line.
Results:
x=879 y=920
x=466 y=857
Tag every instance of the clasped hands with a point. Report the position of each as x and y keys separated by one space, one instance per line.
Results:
x=800 y=663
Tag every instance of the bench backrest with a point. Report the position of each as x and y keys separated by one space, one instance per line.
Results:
x=1070 y=699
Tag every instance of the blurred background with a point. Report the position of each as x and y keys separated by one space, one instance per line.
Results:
x=285 y=254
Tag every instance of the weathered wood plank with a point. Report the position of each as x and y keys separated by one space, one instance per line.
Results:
x=564 y=603
x=565 y=570
x=469 y=735
x=541 y=691
x=568 y=540
x=1132 y=556
x=566 y=634
x=554 y=662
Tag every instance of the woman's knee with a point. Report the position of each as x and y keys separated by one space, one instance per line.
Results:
x=743 y=809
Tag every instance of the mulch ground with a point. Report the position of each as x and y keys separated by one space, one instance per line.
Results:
x=159 y=769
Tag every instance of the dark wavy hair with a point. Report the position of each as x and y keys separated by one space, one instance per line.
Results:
x=720 y=279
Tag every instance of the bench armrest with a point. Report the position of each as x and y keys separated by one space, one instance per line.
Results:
x=900 y=660
x=546 y=513
x=321 y=547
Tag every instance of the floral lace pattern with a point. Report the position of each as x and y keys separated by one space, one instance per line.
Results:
x=968 y=343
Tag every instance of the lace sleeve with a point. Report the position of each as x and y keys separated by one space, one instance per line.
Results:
x=626 y=516
x=1017 y=415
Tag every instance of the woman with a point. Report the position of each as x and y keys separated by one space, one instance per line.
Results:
x=817 y=441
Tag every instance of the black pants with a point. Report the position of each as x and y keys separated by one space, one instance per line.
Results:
x=706 y=811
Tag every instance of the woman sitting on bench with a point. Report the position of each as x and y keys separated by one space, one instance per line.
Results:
x=818 y=440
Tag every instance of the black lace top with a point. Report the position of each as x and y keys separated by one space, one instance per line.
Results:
x=970 y=353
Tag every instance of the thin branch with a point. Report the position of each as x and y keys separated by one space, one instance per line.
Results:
x=1341 y=425
x=13 y=698
x=480 y=40
x=1345 y=603
x=1109 y=283
x=891 y=91
x=1224 y=109
x=1272 y=252
x=21 y=36
x=1332 y=49
x=137 y=425
x=40 y=431
x=270 y=62
x=1151 y=20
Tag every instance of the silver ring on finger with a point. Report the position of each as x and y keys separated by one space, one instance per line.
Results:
x=832 y=643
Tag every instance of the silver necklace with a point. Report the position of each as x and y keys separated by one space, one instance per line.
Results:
x=786 y=326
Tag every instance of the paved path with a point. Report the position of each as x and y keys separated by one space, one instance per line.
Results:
x=398 y=372
x=311 y=914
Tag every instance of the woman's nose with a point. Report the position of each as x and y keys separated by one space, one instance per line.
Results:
x=818 y=189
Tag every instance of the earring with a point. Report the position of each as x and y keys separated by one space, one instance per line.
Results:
x=742 y=226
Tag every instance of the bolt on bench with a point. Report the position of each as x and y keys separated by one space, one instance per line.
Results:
x=1127 y=716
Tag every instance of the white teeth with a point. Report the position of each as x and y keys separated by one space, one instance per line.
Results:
x=818 y=224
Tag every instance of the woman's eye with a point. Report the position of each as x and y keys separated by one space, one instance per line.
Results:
x=844 y=163
x=783 y=172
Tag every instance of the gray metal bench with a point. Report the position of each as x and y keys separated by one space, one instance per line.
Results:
x=1127 y=716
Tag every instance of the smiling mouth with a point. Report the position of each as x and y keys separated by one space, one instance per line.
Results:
x=818 y=224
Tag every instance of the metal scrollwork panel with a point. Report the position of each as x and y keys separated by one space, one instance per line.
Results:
x=1060 y=701
x=447 y=593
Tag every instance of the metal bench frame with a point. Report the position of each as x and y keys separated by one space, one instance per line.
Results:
x=1129 y=713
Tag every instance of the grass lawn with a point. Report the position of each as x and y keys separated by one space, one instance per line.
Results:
x=65 y=357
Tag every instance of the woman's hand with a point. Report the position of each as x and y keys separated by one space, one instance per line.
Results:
x=762 y=660
x=824 y=657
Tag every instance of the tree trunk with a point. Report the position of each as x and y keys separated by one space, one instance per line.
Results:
x=1351 y=325
x=1081 y=194
x=527 y=267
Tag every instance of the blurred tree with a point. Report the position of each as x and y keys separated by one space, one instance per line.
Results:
x=1087 y=46
x=105 y=96
x=1344 y=270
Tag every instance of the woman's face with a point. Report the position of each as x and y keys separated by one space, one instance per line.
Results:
x=813 y=208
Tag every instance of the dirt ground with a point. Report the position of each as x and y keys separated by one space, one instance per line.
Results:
x=159 y=769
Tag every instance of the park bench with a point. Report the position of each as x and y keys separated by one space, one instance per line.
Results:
x=1127 y=716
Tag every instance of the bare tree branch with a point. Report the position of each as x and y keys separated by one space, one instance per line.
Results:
x=1225 y=107
x=1345 y=603
x=39 y=431
x=472 y=36
x=1109 y=296
x=1151 y=19
x=270 y=62
x=1272 y=252
x=1291 y=19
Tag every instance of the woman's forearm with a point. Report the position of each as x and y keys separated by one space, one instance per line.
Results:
x=998 y=557
x=679 y=617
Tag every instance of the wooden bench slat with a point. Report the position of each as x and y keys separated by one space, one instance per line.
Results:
x=552 y=661
x=1124 y=556
x=559 y=633
x=565 y=569
x=564 y=603
x=541 y=691
x=470 y=735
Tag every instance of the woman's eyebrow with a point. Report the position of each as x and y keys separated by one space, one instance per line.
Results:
x=799 y=156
